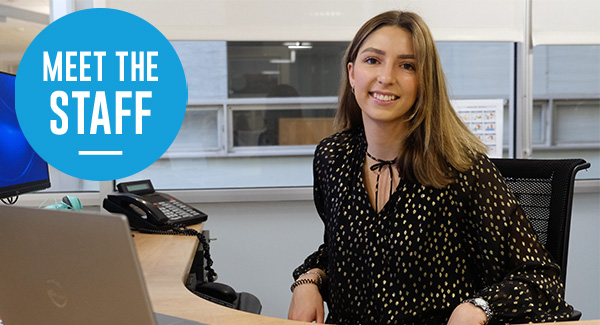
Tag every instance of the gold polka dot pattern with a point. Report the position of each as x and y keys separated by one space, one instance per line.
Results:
x=428 y=249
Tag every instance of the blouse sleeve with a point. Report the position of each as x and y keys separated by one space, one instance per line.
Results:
x=318 y=259
x=519 y=279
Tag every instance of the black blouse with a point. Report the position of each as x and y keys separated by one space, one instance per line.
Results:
x=428 y=249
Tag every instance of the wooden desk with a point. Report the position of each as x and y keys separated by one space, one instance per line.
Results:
x=166 y=261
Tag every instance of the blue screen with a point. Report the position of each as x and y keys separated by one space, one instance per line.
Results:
x=21 y=169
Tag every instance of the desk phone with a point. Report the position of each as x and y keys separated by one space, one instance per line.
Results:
x=147 y=209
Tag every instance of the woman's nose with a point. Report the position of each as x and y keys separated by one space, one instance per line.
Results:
x=386 y=75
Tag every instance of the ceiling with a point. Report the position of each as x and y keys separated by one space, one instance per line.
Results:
x=20 y=22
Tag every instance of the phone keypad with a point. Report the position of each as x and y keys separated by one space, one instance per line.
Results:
x=177 y=211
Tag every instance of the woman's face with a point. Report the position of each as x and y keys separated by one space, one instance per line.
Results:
x=384 y=76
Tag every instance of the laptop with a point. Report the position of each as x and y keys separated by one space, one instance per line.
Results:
x=67 y=267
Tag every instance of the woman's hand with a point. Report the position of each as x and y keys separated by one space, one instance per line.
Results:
x=307 y=304
x=467 y=314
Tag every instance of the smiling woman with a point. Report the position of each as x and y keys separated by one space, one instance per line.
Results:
x=445 y=244
x=431 y=133
x=384 y=79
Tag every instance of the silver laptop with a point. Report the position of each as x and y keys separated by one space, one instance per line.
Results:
x=66 y=267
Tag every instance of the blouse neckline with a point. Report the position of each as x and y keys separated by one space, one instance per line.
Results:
x=361 y=153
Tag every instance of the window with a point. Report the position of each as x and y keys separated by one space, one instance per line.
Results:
x=284 y=69
x=255 y=112
x=566 y=86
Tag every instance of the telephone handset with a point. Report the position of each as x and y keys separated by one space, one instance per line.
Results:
x=147 y=209
x=141 y=213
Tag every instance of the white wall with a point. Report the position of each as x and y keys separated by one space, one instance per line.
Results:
x=259 y=244
x=583 y=268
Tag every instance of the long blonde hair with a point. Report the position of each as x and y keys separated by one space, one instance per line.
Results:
x=437 y=142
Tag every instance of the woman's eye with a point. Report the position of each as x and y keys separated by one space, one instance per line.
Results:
x=371 y=60
x=408 y=66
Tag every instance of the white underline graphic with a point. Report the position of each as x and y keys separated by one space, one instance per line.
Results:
x=100 y=153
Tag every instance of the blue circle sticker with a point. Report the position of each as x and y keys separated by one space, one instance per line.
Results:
x=100 y=94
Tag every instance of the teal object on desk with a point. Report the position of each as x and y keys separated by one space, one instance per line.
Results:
x=68 y=202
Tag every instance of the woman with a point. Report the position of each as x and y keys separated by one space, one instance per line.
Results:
x=419 y=226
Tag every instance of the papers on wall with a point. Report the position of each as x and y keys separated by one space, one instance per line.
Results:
x=485 y=118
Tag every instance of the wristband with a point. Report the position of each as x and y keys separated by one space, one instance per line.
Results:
x=314 y=272
x=303 y=281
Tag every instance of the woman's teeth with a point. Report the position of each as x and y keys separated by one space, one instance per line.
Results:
x=383 y=97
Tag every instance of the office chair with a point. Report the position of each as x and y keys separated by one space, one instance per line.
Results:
x=544 y=187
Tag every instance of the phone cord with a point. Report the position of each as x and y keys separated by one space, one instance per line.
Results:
x=183 y=230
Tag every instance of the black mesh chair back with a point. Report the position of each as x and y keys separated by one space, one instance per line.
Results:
x=545 y=190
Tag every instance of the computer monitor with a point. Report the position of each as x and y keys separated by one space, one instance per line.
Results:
x=22 y=170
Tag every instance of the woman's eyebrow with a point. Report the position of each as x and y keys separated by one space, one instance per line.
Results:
x=381 y=52
x=372 y=49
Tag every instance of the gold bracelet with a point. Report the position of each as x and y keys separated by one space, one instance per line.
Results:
x=303 y=281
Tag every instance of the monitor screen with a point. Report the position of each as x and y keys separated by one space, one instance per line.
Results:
x=21 y=169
